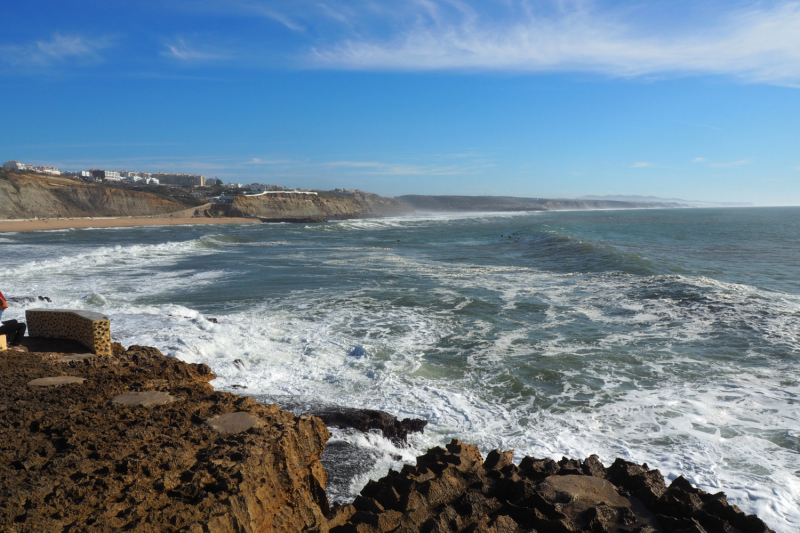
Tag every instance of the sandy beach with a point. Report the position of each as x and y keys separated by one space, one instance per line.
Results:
x=113 y=222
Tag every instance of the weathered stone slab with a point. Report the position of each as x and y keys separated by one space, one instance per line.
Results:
x=55 y=381
x=76 y=357
x=91 y=329
x=579 y=493
x=148 y=398
x=234 y=422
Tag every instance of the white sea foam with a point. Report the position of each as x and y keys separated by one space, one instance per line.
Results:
x=715 y=434
x=118 y=257
x=427 y=219
x=630 y=384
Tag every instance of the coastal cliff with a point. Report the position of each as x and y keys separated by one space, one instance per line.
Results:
x=138 y=441
x=288 y=207
x=510 y=203
x=29 y=196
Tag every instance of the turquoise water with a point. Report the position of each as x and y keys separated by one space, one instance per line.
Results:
x=661 y=336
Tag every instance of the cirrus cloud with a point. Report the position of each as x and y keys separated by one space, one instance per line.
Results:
x=59 y=50
x=182 y=50
x=757 y=44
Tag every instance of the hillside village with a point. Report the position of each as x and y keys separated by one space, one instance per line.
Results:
x=181 y=185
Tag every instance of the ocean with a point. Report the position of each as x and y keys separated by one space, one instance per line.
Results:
x=669 y=337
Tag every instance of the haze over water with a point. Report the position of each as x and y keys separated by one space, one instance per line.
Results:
x=661 y=336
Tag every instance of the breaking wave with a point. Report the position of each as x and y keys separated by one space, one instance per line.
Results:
x=569 y=338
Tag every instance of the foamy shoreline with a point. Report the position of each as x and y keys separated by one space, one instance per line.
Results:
x=7 y=226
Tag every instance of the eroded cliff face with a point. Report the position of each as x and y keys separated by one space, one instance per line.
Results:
x=73 y=460
x=29 y=196
x=306 y=207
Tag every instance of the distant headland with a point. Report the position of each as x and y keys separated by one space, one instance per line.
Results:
x=511 y=203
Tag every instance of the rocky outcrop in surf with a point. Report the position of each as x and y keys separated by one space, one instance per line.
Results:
x=453 y=489
x=288 y=207
x=364 y=420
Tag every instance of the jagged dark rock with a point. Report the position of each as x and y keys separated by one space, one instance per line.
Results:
x=363 y=420
x=29 y=299
x=368 y=419
x=453 y=489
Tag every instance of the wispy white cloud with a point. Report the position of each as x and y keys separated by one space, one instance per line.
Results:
x=182 y=50
x=752 y=41
x=641 y=165
x=699 y=160
x=730 y=164
x=283 y=19
x=60 y=50
x=760 y=43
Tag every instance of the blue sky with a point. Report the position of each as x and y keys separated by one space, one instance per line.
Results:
x=697 y=100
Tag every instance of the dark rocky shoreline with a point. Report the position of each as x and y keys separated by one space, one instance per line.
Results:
x=75 y=457
x=455 y=490
x=363 y=420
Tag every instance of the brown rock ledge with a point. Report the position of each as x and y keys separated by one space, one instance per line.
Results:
x=73 y=461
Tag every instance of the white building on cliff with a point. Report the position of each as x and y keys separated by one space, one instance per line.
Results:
x=15 y=165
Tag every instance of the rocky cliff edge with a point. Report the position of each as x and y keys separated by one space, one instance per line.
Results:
x=289 y=207
x=98 y=456
x=141 y=442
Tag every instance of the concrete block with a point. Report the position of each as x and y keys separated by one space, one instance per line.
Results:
x=93 y=330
